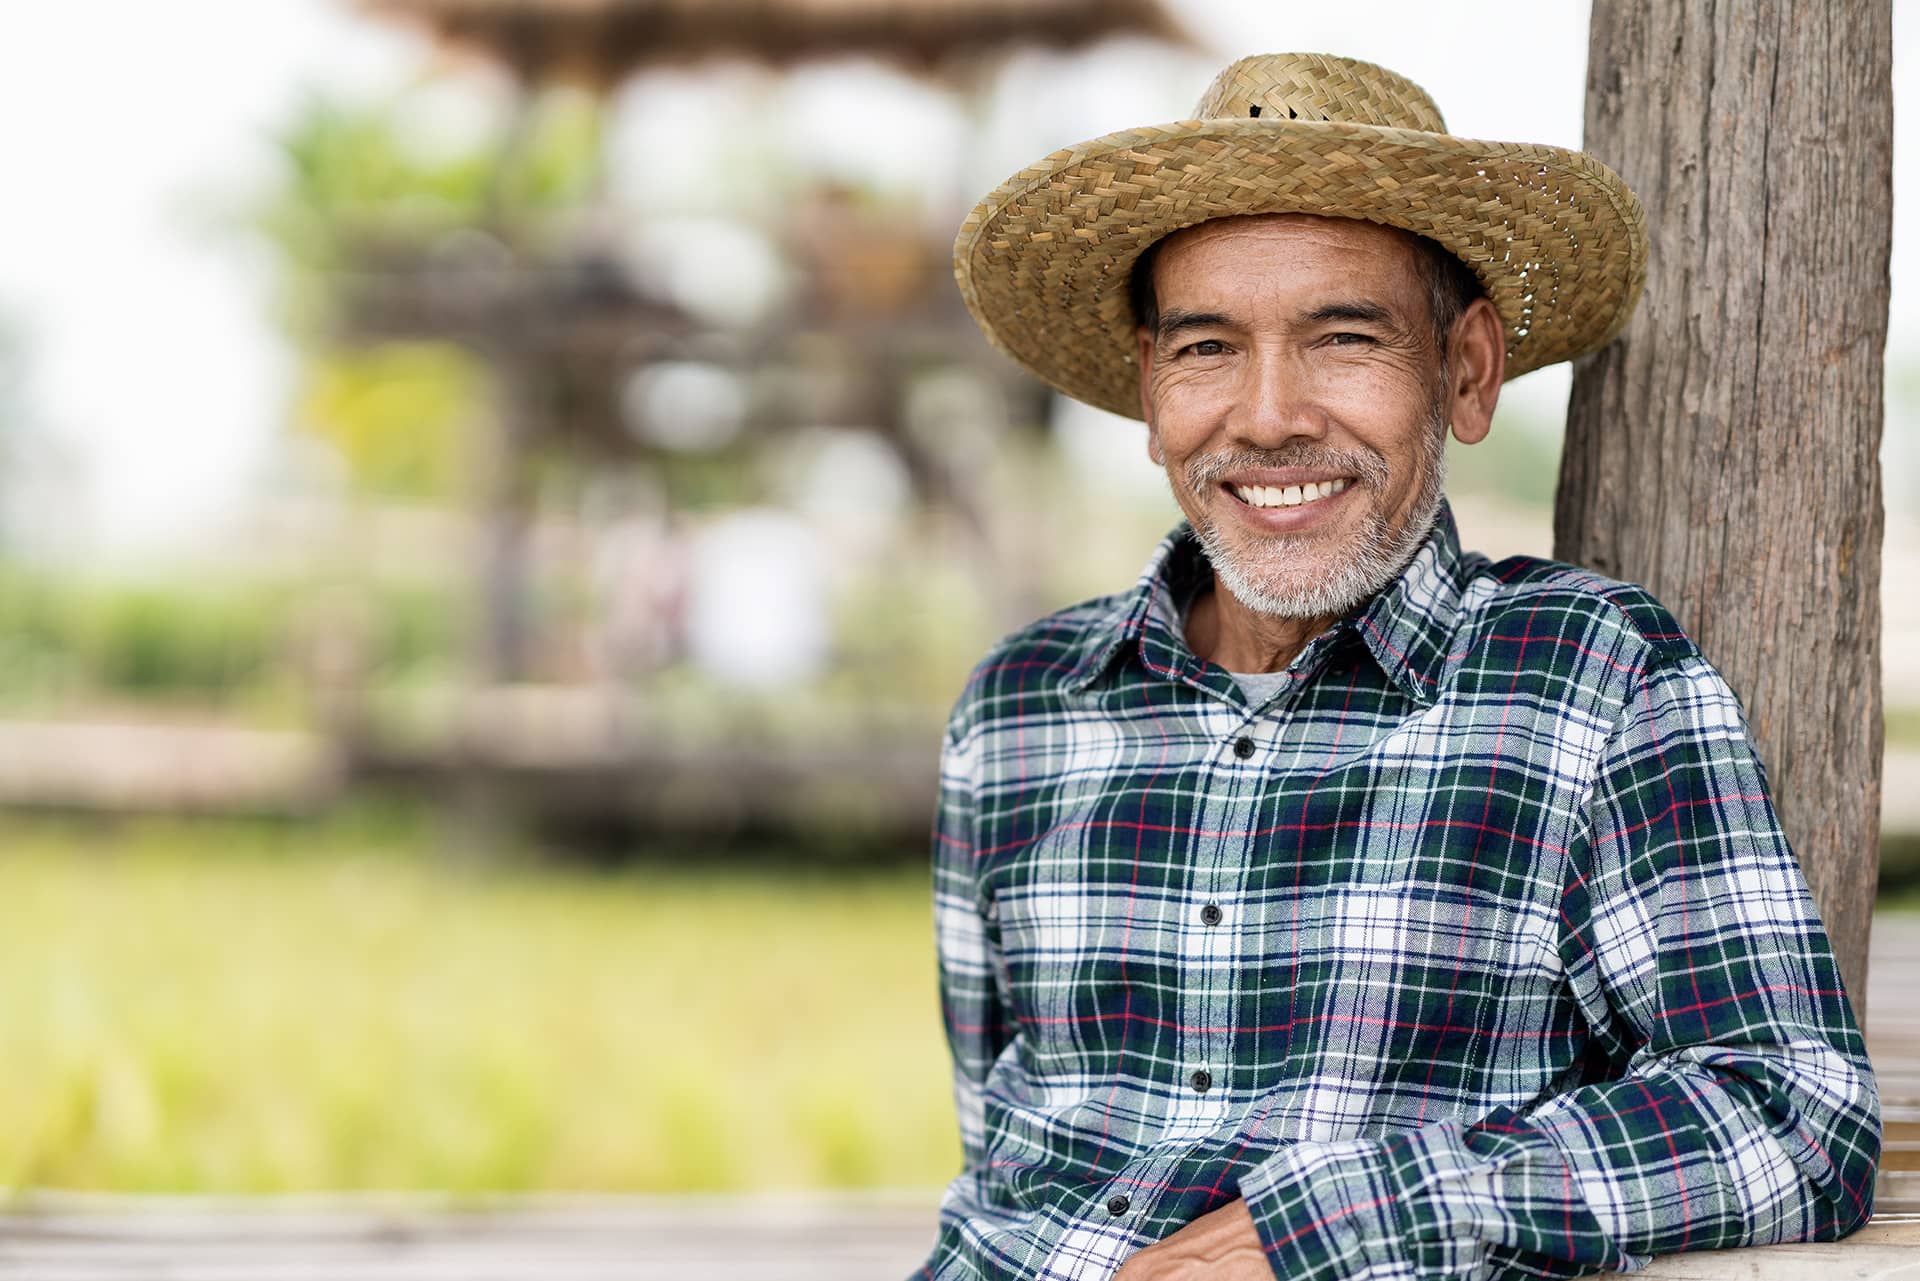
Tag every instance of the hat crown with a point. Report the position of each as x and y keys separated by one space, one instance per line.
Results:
x=1318 y=86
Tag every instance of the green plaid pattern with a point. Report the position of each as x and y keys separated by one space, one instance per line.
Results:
x=1476 y=951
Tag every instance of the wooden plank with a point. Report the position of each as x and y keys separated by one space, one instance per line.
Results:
x=1893 y=1042
x=155 y=767
x=1883 y=1249
x=638 y=1240
x=63 y=1238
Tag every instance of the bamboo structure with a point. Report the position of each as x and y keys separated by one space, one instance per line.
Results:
x=602 y=42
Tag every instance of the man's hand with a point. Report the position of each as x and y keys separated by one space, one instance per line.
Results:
x=1220 y=1245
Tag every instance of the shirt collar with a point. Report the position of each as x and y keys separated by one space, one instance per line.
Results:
x=1408 y=627
x=1149 y=614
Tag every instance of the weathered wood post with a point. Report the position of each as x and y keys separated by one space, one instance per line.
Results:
x=1724 y=452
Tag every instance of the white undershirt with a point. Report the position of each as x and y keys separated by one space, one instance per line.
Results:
x=1260 y=686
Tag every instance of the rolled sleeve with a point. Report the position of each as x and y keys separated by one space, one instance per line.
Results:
x=1327 y=1210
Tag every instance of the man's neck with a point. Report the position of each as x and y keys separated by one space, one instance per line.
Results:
x=1226 y=633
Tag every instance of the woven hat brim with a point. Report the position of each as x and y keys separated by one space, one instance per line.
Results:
x=1556 y=238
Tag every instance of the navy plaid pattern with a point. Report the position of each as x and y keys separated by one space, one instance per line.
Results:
x=1476 y=951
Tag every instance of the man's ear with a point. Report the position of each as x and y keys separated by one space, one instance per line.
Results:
x=1143 y=361
x=1478 y=367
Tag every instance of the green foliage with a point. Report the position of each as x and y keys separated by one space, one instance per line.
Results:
x=395 y=413
x=909 y=638
x=415 y=626
x=204 y=1008
x=58 y=637
x=350 y=171
x=208 y=643
x=357 y=193
x=1519 y=461
x=147 y=641
x=1900 y=870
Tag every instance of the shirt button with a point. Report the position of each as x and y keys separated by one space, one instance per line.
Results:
x=1202 y=1081
x=1243 y=748
x=1118 y=1205
x=1210 y=914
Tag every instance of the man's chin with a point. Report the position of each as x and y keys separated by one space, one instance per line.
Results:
x=1297 y=596
x=1309 y=574
x=1326 y=543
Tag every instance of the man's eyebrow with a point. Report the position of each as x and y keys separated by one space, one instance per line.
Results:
x=1173 y=322
x=1363 y=310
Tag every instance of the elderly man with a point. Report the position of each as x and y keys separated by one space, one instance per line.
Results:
x=1336 y=903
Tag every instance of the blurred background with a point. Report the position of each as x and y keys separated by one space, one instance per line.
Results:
x=496 y=500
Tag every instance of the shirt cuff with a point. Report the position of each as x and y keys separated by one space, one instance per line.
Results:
x=1327 y=1212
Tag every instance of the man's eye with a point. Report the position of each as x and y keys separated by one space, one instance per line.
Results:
x=1207 y=347
x=1349 y=339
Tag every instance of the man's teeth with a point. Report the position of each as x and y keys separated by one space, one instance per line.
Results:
x=1288 y=495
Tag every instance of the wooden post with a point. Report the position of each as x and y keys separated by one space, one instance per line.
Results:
x=507 y=513
x=1724 y=451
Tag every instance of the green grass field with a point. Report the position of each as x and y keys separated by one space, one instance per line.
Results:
x=231 y=1009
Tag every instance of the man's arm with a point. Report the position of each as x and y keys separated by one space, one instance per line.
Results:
x=1737 y=1106
x=977 y=1025
x=970 y=1006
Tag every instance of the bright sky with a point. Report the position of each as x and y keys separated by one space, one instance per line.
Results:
x=129 y=127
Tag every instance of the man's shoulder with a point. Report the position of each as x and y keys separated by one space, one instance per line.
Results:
x=1619 y=624
x=1026 y=670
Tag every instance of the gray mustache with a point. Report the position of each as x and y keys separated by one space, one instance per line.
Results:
x=1368 y=468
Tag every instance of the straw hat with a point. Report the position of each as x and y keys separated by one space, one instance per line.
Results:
x=1554 y=236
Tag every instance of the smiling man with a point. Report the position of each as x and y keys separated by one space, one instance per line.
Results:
x=1337 y=903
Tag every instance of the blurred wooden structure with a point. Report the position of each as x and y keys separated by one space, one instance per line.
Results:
x=597 y=766
x=565 y=334
x=563 y=328
x=601 y=42
x=159 y=767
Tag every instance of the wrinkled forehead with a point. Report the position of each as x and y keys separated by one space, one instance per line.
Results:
x=1236 y=248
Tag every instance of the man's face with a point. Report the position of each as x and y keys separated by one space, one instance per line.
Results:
x=1295 y=396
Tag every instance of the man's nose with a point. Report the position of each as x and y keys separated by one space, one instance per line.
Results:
x=1275 y=403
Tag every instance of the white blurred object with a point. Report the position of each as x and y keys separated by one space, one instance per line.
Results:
x=757 y=611
x=851 y=483
x=684 y=405
x=1107 y=453
x=722 y=271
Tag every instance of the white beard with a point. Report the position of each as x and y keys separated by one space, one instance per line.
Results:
x=1268 y=578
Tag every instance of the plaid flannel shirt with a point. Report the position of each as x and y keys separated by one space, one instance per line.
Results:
x=1475 y=951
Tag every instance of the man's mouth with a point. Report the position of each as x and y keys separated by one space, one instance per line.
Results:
x=1288 y=495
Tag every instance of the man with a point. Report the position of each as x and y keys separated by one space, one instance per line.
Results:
x=1337 y=903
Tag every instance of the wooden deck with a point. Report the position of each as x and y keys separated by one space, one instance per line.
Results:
x=734 y=1240
x=1893 y=1041
x=572 y=1239
x=68 y=1237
